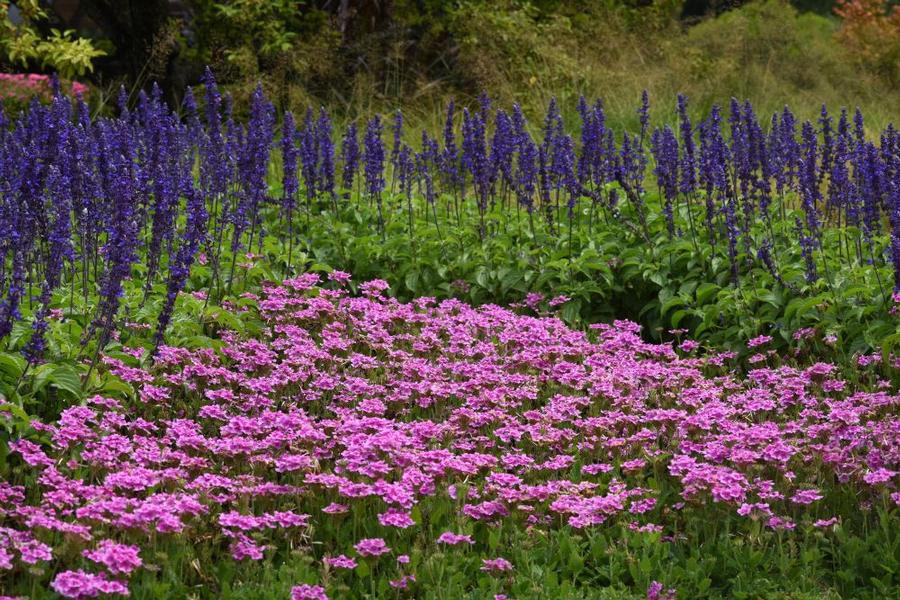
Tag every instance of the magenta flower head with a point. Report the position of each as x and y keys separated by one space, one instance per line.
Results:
x=340 y=562
x=372 y=547
x=655 y=592
x=34 y=551
x=374 y=287
x=339 y=277
x=306 y=591
x=403 y=582
x=117 y=558
x=759 y=341
x=78 y=584
x=452 y=539
x=496 y=565
x=689 y=345
x=396 y=518
x=335 y=509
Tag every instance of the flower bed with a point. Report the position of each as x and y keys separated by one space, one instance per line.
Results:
x=367 y=435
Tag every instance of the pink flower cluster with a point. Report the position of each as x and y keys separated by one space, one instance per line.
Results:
x=78 y=584
x=117 y=558
x=369 y=406
x=23 y=86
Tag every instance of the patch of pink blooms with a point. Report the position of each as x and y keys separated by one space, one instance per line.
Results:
x=365 y=407
x=25 y=85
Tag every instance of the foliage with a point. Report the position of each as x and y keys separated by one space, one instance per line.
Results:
x=286 y=44
x=376 y=56
x=60 y=51
x=871 y=29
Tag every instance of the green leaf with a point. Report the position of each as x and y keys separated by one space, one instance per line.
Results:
x=362 y=569
x=119 y=387
x=12 y=366
x=222 y=317
x=670 y=304
x=571 y=311
x=412 y=281
x=17 y=411
x=706 y=291
x=66 y=378
x=494 y=539
x=511 y=278
x=887 y=347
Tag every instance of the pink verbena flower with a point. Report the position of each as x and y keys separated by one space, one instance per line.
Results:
x=339 y=277
x=340 y=562
x=776 y=522
x=559 y=300
x=595 y=468
x=759 y=341
x=396 y=518
x=689 y=345
x=34 y=551
x=641 y=506
x=806 y=496
x=118 y=558
x=452 y=539
x=374 y=287
x=372 y=547
x=655 y=589
x=244 y=547
x=495 y=565
x=306 y=591
x=78 y=584
x=804 y=333
x=403 y=582
x=822 y=523
x=877 y=476
x=533 y=299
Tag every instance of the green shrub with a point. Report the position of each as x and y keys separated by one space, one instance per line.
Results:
x=22 y=44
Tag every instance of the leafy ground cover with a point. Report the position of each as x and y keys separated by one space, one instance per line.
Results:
x=358 y=446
